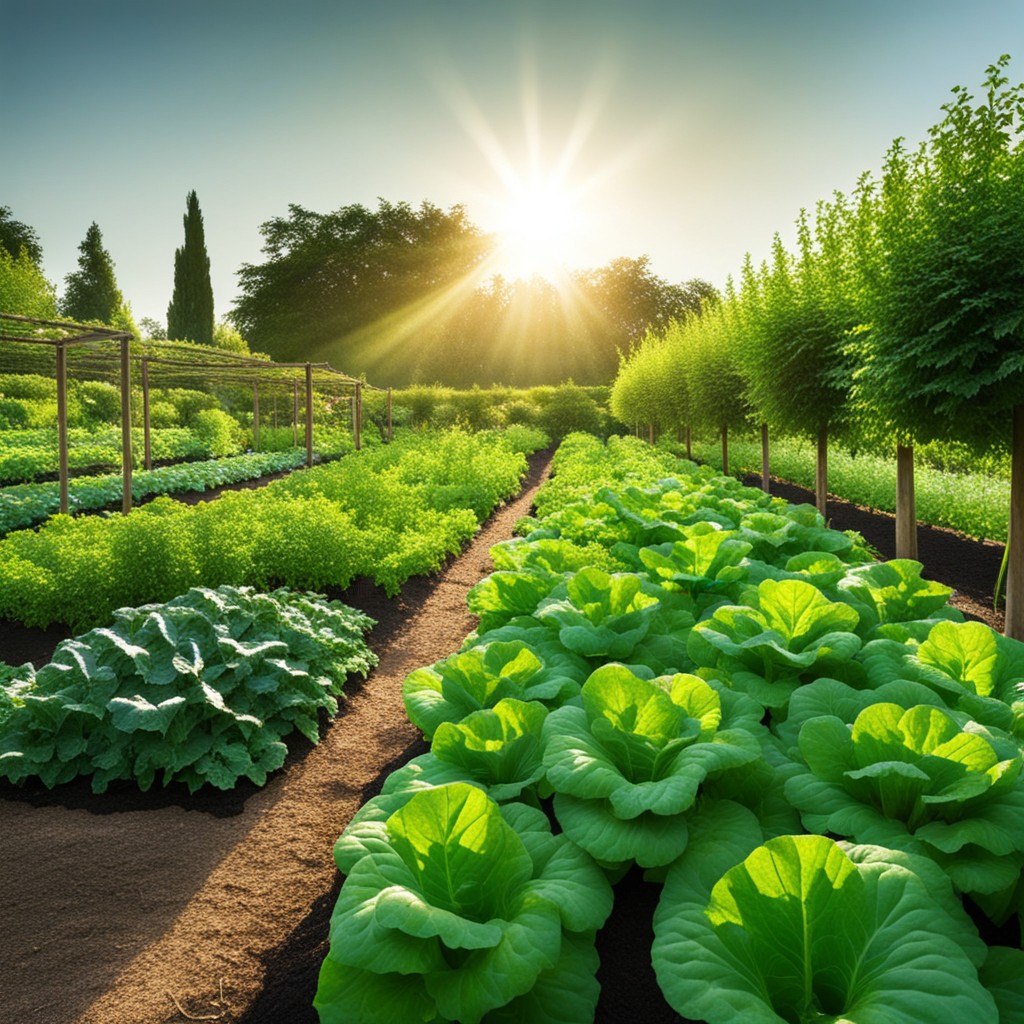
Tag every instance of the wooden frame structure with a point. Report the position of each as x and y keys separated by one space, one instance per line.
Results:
x=173 y=361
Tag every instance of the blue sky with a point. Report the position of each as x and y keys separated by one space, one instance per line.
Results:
x=686 y=131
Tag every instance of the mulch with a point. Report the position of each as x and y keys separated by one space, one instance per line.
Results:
x=131 y=908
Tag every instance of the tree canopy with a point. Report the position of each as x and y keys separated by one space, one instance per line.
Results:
x=404 y=295
x=16 y=237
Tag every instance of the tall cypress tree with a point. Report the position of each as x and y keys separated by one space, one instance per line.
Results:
x=91 y=292
x=190 y=313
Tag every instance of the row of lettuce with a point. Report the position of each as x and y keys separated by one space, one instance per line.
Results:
x=387 y=513
x=203 y=688
x=811 y=751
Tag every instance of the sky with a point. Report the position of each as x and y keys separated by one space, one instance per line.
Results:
x=689 y=131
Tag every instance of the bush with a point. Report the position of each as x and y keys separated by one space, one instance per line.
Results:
x=570 y=409
x=219 y=432
x=13 y=414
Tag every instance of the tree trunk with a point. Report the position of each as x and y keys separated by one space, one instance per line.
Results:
x=650 y=433
x=764 y=459
x=725 y=451
x=906 y=513
x=821 y=471
x=1014 y=626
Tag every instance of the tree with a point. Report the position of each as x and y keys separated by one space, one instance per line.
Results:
x=152 y=330
x=363 y=288
x=23 y=288
x=91 y=292
x=190 y=312
x=16 y=237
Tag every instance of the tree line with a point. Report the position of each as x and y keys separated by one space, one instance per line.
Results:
x=399 y=293
x=897 y=318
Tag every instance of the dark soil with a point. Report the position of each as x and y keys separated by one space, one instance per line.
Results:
x=132 y=908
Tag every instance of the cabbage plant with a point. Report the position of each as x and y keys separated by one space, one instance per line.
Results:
x=627 y=764
x=802 y=928
x=465 y=911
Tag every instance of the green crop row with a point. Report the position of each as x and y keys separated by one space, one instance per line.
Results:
x=977 y=504
x=25 y=505
x=387 y=513
x=812 y=751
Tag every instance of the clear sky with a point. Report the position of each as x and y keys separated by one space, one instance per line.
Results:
x=688 y=131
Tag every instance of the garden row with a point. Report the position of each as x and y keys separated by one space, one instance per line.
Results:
x=204 y=687
x=25 y=505
x=387 y=513
x=812 y=751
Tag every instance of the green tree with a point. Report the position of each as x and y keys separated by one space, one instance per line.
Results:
x=363 y=288
x=16 y=237
x=23 y=288
x=190 y=312
x=91 y=292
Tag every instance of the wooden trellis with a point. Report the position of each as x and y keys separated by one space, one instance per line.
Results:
x=172 y=361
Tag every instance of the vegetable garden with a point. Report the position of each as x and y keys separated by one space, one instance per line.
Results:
x=810 y=755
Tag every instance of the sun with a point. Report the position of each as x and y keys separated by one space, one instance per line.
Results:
x=535 y=230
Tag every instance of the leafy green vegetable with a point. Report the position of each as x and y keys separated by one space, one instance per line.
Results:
x=918 y=780
x=628 y=763
x=803 y=928
x=789 y=634
x=479 y=677
x=200 y=690
x=460 y=909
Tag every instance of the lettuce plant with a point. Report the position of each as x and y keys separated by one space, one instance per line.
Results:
x=790 y=633
x=620 y=617
x=465 y=911
x=802 y=928
x=893 y=591
x=480 y=677
x=968 y=664
x=921 y=780
x=627 y=764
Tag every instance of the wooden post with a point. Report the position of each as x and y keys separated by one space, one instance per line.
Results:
x=689 y=448
x=147 y=442
x=725 y=451
x=1014 y=623
x=309 y=414
x=295 y=414
x=765 y=478
x=358 y=418
x=256 y=417
x=821 y=471
x=126 y=426
x=389 y=415
x=274 y=418
x=906 y=513
x=650 y=433
x=62 y=424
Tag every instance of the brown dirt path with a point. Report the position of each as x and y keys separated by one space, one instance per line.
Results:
x=133 y=908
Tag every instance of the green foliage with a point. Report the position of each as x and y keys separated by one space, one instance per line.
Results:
x=628 y=763
x=16 y=239
x=200 y=690
x=475 y=908
x=91 y=292
x=24 y=290
x=802 y=928
x=219 y=432
x=190 y=312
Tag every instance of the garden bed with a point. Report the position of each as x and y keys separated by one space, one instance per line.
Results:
x=132 y=908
